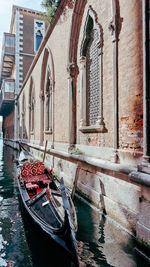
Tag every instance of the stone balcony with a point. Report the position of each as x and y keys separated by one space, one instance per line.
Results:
x=7 y=96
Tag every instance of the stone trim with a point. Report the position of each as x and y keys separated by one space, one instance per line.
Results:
x=93 y=129
x=18 y=49
x=86 y=159
x=48 y=101
x=139 y=177
x=27 y=54
x=48 y=132
x=115 y=28
x=31 y=107
x=133 y=174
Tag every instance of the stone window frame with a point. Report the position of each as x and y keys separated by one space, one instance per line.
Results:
x=23 y=116
x=48 y=102
x=47 y=63
x=37 y=29
x=100 y=125
x=32 y=107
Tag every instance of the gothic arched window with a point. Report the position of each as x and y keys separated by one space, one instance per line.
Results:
x=39 y=31
x=23 y=117
x=48 y=103
x=91 y=71
x=31 y=107
x=39 y=38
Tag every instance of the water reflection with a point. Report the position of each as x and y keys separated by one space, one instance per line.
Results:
x=101 y=242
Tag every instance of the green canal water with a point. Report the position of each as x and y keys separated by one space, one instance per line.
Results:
x=100 y=241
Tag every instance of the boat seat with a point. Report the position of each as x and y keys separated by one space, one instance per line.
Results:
x=36 y=178
x=31 y=186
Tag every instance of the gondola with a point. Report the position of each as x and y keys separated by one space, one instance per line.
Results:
x=48 y=202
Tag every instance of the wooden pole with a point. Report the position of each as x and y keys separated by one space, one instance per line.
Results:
x=45 y=150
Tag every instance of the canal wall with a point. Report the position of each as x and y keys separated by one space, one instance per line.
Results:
x=118 y=191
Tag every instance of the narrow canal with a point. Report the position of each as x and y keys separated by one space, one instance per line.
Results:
x=100 y=242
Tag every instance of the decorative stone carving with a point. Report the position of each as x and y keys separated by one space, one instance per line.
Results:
x=115 y=23
x=72 y=70
x=41 y=95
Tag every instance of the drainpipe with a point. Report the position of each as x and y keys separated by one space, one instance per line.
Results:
x=145 y=165
x=115 y=28
x=146 y=93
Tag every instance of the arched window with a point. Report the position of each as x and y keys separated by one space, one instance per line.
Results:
x=31 y=107
x=48 y=103
x=91 y=71
x=46 y=95
x=23 y=117
x=39 y=38
x=39 y=31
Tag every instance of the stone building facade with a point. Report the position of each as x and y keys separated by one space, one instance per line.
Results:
x=86 y=93
x=20 y=46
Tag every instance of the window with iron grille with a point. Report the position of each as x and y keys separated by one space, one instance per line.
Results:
x=48 y=103
x=92 y=79
x=91 y=73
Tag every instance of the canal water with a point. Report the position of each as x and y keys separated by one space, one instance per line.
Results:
x=100 y=241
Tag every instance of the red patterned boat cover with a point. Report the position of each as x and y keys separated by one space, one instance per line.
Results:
x=32 y=168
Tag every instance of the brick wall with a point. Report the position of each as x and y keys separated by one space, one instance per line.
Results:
x=130 y=77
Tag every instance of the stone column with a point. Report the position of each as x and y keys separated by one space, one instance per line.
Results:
x=72 y=74
x=23 y=124
x=50 y=110
x=100 y=121
x=32 y=115
x=115 y=28
x=16 y=120
x=82 y=91
x=47 y=96
x=29 y=107
x=41 y=117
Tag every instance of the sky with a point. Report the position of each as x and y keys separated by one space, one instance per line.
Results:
x=6 y=11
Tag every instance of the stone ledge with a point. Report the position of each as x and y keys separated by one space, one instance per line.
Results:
x=132 y=173
x=87 y=159
x=141 y=178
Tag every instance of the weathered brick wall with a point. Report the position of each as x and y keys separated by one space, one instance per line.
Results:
x=130 y=77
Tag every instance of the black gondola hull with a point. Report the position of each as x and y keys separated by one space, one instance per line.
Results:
x=63 y=234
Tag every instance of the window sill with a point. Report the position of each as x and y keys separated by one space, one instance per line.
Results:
x=48 y=132
x=93 y=129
